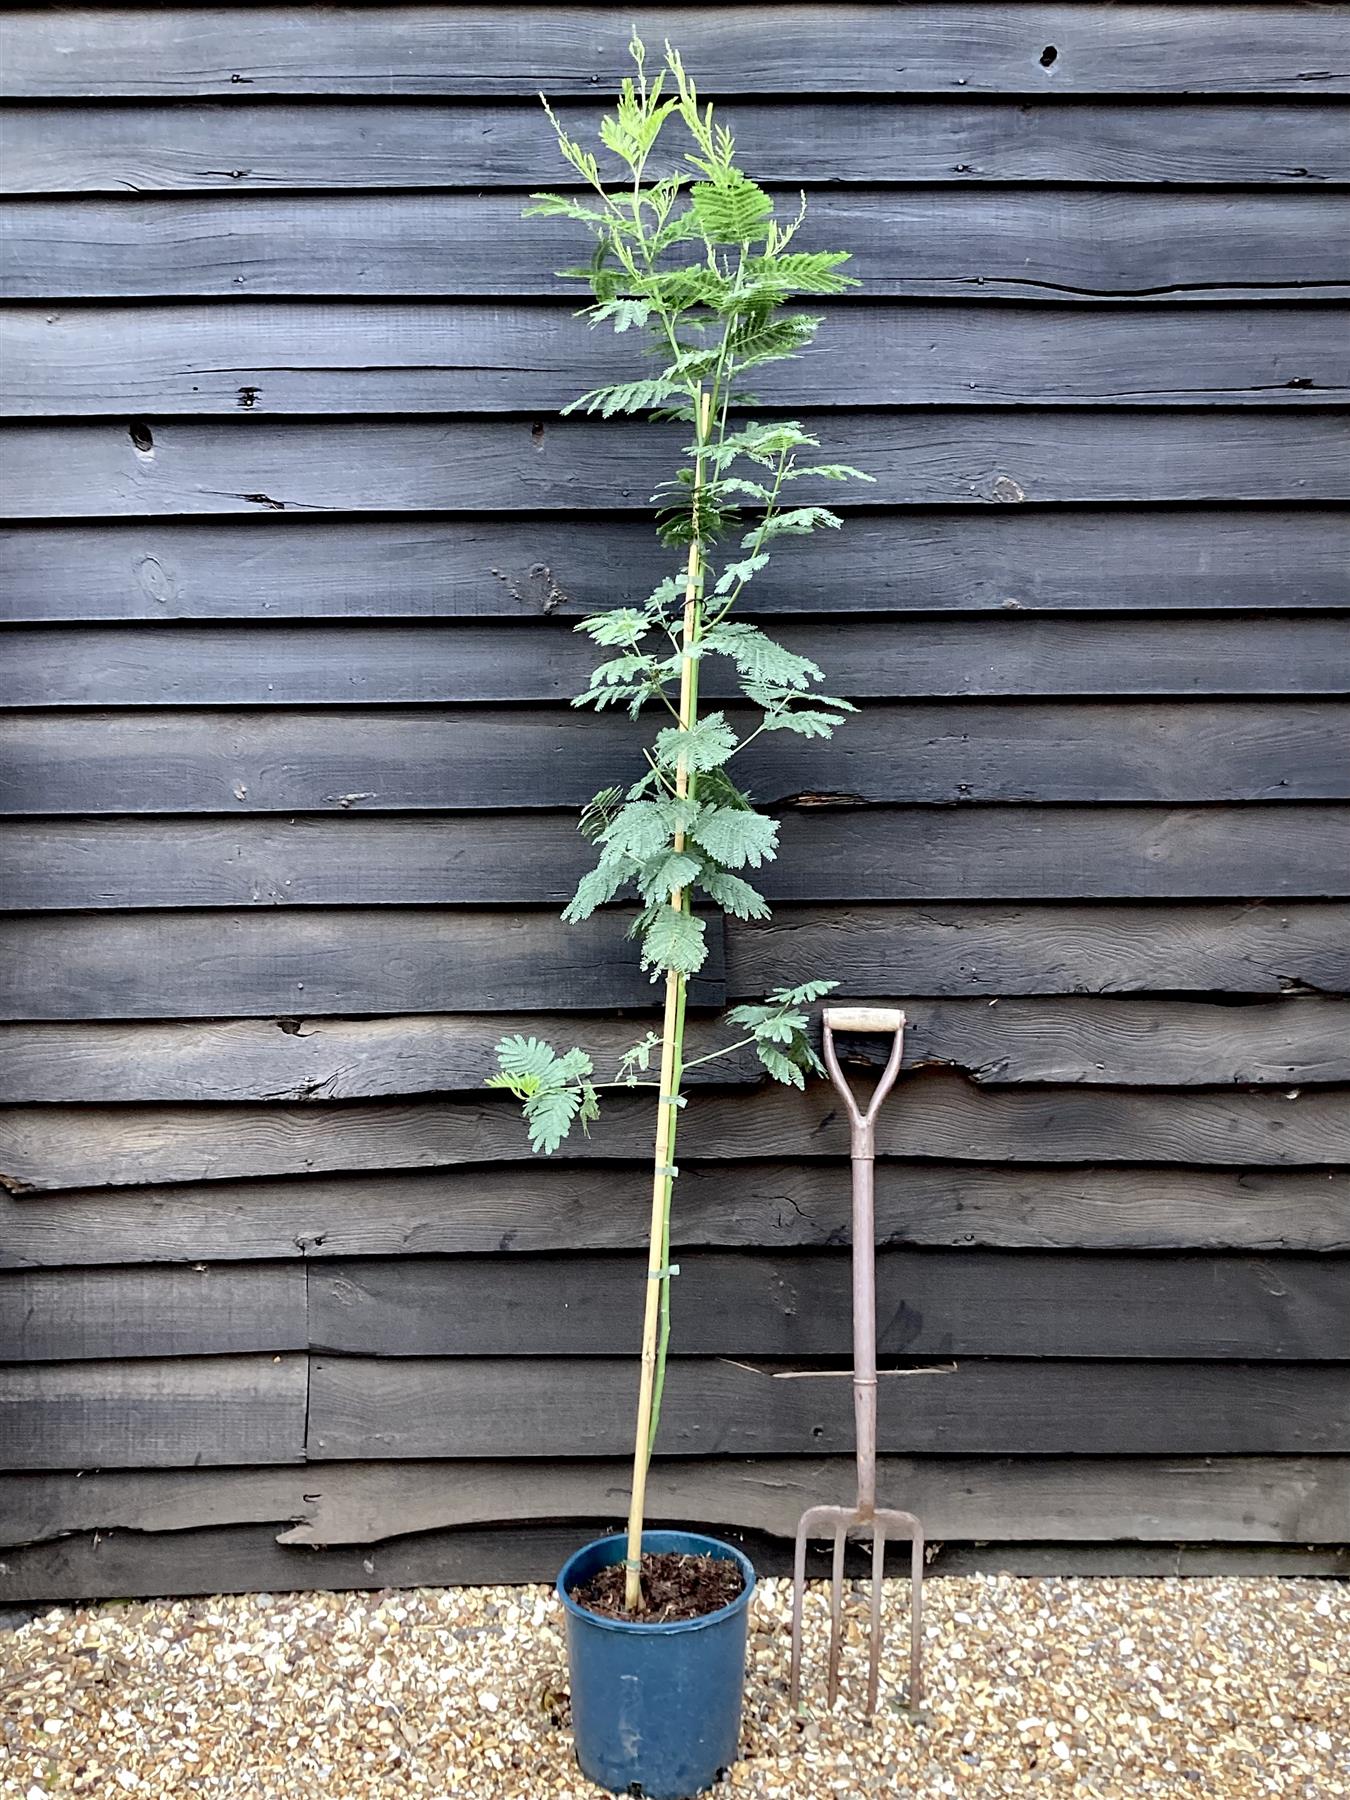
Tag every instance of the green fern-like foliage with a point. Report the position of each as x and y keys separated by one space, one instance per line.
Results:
x=696 y=262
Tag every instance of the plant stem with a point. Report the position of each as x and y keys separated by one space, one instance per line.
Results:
x=656 y=1312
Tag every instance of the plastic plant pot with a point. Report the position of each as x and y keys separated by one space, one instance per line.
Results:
x=656 y=1709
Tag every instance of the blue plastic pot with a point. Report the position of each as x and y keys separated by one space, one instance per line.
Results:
x=656 y=1709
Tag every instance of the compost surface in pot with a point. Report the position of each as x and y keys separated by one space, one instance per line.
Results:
x=673 y=1586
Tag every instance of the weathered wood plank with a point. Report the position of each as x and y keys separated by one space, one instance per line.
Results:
x=288 y=566
x=314 y=357
x=471 y=758
x=297 y=962
x=247 y=1559
x=1097 y=1042
x=369 y=664
x=186 y=1411
x=1060 y=245
x=371 y=1407
x=537 y=1207
x=1300 y=1499
x=242 y=148
x=460 y=50
x=1214 y=1560
x=1240 y=1499
x=930 y=1303
x=964 y=457
x=420 y=663
x=1125 y=1042
x=174 y=966
x=46 y=1148
x=345 y=1059
x=758 y=1304
x=1093 y=949
x=77 y=1314
x=36 y=1508
x=848 y=854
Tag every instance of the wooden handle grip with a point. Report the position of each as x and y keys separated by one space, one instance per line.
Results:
x=864 y=1018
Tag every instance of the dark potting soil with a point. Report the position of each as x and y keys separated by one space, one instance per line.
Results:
x=674 y=1587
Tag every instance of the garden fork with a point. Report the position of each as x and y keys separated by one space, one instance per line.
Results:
x=840 y=1521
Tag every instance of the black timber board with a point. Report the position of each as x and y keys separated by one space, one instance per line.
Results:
x=488 y=50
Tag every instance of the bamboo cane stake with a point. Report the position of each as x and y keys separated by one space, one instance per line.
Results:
x=672 y=1033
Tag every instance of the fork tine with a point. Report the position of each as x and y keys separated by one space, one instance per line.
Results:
x=915 y=1617
x=798 y=1595
x=836 y=1611
x=874 y=1652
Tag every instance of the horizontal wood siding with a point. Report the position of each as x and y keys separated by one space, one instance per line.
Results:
x=955 y=456
x=1239 y=1499
x=581 y=1207
x=288 y=778
x=1064 y=244
x=390 y=1406
x=856 y=49
x=310 y=358
x=1146 y=559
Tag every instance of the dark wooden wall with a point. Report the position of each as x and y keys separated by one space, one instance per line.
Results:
x=296 y=539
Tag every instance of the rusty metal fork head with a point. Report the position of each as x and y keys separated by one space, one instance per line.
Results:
x=838 y=1522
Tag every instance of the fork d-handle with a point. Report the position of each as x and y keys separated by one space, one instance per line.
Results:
x=862 y=1131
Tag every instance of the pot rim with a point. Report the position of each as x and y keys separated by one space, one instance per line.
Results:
x=670 y=1626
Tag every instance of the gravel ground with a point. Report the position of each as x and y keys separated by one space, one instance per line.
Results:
x=1223 y=1688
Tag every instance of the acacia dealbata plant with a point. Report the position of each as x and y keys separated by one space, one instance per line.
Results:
x=696 y=264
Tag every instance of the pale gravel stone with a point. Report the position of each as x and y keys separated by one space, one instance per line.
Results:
x=1104 y=1689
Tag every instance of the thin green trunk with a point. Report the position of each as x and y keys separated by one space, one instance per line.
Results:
x=656 y=1313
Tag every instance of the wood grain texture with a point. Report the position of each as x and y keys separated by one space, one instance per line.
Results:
x=961 y=457
x=757 y=1304
x=1031 y=950
x=518 y=1208
x=848 y=854
x=1095 y=1042
x=239 y=147
x=343 y=1059
x=286 y=566
x=461 y=50
x=47 y=1148
x=79 y=1315
x=162 y=965
x=1235 y=1499
x=761 y=1304
x=247 y=1559
x=1061 y=245
x=298 y=962
x=371 y=664
x=440 y=1406
x=183 y=1412
x=467 y=758
x=37 y=1508
x=312 y=358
